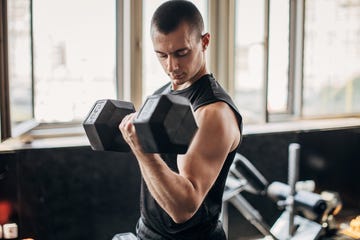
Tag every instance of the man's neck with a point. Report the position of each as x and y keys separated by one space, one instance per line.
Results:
x=191 y=81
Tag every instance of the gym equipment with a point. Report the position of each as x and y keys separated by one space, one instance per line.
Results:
x=298 y=227
x=312 y=205
x=254 y=182
x=242 y=168
x=124 y=236
x=334 y=206
x=101 y=125
x=301 y=228
x=164 y=124
x=306 y=214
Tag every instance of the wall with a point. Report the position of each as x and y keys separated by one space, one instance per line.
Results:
x=76 y=193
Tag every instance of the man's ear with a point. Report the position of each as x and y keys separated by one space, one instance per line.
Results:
x=205 y=39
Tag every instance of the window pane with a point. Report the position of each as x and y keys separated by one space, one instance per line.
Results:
x=249 y=59
x=19 y=54
x=74 y=51
x=153 y=74
x=278 y=56
x=332 y=57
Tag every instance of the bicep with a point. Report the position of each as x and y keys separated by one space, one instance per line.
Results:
x=209 y=148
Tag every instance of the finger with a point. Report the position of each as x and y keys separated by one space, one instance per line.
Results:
x=124 y=121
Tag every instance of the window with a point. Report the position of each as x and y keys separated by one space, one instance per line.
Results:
x=19 y=62
x=278 y=72
x=249 y=59
x=332 y=58
x=74 y=57
x=280 y=60
x=58 y=66
x=261 y=63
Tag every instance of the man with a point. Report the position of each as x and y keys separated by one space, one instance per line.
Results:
x=181 y=195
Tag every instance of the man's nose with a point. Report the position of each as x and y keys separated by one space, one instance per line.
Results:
x=172 y=64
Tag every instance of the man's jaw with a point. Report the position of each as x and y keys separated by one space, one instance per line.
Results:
x=178 y=76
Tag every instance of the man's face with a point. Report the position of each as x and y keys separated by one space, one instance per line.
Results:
x=181 y=54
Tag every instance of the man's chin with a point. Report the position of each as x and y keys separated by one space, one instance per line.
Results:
x=179 y=80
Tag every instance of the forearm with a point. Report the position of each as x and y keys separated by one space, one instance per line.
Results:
x=173 y=192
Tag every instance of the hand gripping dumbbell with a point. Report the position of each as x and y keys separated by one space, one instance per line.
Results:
x=164 y=124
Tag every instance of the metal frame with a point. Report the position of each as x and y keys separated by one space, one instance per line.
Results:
x=4 y=75
x=221 y=24
x=296 y=47
x=132 y=55
x=120 y=50
x=266 y=61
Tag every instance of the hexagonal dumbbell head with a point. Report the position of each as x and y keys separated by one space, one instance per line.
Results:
x=165 y=124
x=101 y=125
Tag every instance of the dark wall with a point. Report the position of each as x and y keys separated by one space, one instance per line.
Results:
x=332 y=159
x=9 y=208
x=76 y=193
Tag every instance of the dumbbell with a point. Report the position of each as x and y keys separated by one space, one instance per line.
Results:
x=164 y=124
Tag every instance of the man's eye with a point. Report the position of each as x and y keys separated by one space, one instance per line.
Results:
x=162 y=55
x=182 y=53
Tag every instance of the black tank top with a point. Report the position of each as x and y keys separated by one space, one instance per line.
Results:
x=204 y=91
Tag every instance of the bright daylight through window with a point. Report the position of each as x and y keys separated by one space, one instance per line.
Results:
x=62 y=57
x=332 y=58
x=19 y=57
x=74 y=57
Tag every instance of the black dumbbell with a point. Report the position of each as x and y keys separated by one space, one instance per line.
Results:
x=164 y=124
x=101 y=125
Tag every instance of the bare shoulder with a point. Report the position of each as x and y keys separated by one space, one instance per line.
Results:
x=218 y=134
x=216 y=111
x=219 y=118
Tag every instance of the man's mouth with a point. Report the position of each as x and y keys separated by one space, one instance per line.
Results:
x=178 y=76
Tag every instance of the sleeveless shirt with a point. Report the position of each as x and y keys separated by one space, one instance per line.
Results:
x=204 y=91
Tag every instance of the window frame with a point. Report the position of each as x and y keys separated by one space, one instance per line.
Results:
x=221 y=59
x=5 y=130
x=295 y=75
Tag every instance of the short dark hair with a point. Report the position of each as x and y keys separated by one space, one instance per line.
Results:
x=171 y=14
